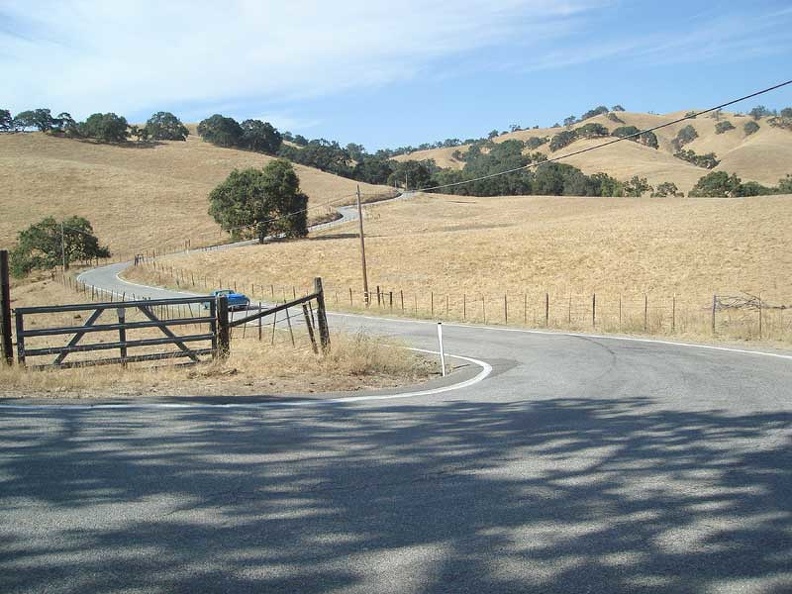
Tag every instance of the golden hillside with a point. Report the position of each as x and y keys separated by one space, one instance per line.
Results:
x=765 y=156
x=138 y=199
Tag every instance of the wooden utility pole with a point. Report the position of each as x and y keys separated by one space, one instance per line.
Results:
x=362 y=249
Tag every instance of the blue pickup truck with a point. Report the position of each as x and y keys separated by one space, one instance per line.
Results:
x=235 y=300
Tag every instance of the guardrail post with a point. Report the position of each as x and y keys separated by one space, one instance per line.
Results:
x=321 y=314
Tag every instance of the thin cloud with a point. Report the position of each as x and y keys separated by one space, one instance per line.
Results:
x=133 y=56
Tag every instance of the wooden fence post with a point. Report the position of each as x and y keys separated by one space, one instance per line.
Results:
x=5 y=308
x=223 y=329
x=594 y=310
x=714 y=306
x=646 y=312
x=309 y=326
x=321 y=315
x=547 y=310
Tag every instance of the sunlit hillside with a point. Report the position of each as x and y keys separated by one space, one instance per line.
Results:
x=137 y=199
x=764 y=156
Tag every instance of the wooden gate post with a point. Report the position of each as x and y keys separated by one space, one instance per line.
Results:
x=321 y=314
x=5 y=309
x=223 y=329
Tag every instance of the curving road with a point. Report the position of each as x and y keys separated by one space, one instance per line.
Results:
x=582 y=464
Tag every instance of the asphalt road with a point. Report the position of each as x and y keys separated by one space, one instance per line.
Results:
x=582 y=464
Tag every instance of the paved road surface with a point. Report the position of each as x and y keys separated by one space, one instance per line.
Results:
x=581 y=465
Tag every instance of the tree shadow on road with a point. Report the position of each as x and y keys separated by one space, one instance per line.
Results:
x=559 y=495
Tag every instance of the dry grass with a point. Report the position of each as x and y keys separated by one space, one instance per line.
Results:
x=138 y=199
x=269 y=367
x=525 y=246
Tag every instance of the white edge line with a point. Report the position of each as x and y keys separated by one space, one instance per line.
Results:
x=573 y=334
x=486 y=369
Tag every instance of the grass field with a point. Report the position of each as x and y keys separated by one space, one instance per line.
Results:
x=523 y=247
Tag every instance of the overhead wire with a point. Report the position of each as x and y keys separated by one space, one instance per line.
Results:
x=609 y=142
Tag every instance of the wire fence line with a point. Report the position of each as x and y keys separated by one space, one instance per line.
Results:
x=736 y=316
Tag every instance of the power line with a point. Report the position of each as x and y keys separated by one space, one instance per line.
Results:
x=610 y=142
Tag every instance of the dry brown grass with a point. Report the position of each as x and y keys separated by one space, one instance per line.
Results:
x=270 y=367
x=138 y=199
x=526 y=246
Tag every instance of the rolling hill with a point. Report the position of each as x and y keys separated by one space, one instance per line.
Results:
x=138 y=199
x=764 y=156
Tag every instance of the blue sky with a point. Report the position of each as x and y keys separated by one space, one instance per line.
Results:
x=389 y=74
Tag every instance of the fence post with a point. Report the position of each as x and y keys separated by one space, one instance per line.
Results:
x=5 y=308
x=673 y=314
x=547 y=310
x=122 y=334
x=309 y=326
x=714 y=305
x=321 y=314
x=760 y=317
x=506 y=309
x=646 y=312
x=594 y=310
x=223 y=330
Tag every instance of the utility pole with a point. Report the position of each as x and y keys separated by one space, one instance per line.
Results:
x=362 y=249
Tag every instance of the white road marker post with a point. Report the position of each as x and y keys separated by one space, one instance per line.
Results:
x=442 y=352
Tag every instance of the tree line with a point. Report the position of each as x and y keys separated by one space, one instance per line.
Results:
x=101 y=127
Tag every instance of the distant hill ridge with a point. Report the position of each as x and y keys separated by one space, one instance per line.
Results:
x=764 y=156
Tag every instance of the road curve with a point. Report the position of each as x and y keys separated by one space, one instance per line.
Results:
x=581 y=464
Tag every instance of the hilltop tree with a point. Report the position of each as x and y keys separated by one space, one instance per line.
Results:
x=163 y=125
x=41 y=119
x=65 y=124
x=594 y=112
x=50 y=243
x=261 y=202
x=261 y=137
x=105 y=127
x=760 y=111
x=221 y=131
x=6 y=121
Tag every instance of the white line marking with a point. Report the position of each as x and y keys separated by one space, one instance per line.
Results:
x=573 y=334
x=486 y=369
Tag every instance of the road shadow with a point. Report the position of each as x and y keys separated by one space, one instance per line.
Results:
x=555 y=496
